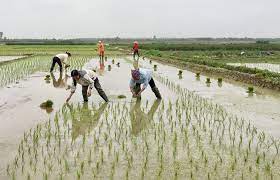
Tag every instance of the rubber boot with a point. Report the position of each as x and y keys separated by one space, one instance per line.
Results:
x=157 y=93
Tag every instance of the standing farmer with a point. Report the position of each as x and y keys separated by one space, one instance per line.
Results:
x=87 y=79
x=101 y=50
x=60 y=59
x=135 y=50
x=142 y=76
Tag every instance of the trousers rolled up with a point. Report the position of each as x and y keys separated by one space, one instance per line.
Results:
x=137 y=88
x=54 y=61
x=99 y=89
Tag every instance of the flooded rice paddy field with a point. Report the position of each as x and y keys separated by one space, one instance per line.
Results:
x=262 y=66
x=190 y=133
x=262 y=107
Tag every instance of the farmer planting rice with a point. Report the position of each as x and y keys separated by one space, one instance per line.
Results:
x=142 y=76
x=87 y=79
x=101 y=50
x=135 y=50
x=60 y=59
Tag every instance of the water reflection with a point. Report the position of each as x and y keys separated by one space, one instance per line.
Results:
x=139 y=119
x=84 y=119
x=60 y=82
x=101 y=68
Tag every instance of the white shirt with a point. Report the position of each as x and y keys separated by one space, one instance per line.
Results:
x=87 y=78
x=62 y=57
x=145 y=77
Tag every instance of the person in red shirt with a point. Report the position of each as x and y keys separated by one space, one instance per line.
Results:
x=135 y=50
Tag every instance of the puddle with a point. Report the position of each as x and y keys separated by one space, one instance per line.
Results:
x=262 y=66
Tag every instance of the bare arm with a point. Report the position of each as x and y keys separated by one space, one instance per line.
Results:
x=73 y=89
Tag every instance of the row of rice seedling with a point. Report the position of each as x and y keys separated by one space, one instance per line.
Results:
x=14 y=71
x=188 y=137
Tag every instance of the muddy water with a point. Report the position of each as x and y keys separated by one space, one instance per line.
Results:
x=19 y=102
x=262 y=108
x=262 y=66
x=20 y=111
x=9 y=58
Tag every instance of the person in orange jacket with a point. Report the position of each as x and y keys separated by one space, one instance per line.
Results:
x=101 y=50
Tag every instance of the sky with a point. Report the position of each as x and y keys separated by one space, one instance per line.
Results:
x=65 y=19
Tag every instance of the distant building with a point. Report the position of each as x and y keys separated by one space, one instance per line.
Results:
x=154 y=37
x=1 y=35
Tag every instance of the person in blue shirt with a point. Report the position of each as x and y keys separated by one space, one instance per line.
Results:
x=142 y=77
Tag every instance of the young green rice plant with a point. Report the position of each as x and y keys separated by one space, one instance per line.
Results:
x=47 y=77
x=121 y=96
x=208 y=81
x=189 y=133
x=250 y=90
x=180 y=72
x=47 y=104
x=155 y=67
x=109 y=67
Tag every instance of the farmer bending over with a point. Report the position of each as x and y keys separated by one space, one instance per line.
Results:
x=142 y=76
x=87 y=79
x=60 y=59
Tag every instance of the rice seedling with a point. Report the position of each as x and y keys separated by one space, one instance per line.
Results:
x=186 y=136
x=155 y=67
x=208 y=80
x=121 y=96
x=250 y=90
x=47 y=77
x=180 y=72
x=47 y=104
x=14 y=71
